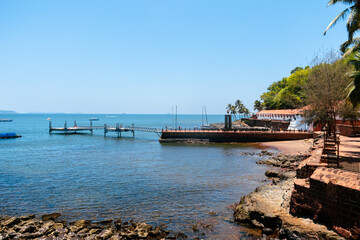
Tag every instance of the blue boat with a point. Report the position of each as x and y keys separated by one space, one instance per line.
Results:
x=9 y=135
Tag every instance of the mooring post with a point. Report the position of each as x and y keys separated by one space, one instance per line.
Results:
x=50 y=127
x=118 y=129
x=105 y=130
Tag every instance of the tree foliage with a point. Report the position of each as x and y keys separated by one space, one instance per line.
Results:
x=258 y=105
x=352 y=26
x=349 y=113
x=325 y=93
x=288 y=92
x=237 y=108
x=354 y=87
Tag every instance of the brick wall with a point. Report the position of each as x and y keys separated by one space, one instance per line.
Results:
x=347 y=130
x=332 y=197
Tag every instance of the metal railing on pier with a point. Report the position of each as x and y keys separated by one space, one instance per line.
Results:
x=118 y=128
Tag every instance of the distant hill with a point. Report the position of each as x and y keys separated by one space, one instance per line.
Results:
x=7 y=112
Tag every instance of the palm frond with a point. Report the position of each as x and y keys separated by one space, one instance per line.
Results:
x=342 y=15
x=332 y=2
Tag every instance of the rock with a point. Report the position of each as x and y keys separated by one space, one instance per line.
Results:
x=265 y=153
x=11 y=221
x=271 y=173
x=106 y=222
x=115 y=237
x=143 y=227
x=181 y=236
x=83 y=230
x=95 y=231
x=57 y=226
x=46 y=228
x=268 y=208
x=287 y=175
x=50 y=217
x=143 y=234
x=82 y=223
x=74 y=228
x=31 y=228
x=267 y=231
x=106 y=233
x=118 y=223
x=28 y=229
x=28 y=217
x=283 y=161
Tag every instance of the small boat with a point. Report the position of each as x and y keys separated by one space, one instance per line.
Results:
x=9 y=135
x=93 y=119
x=48 y=119
x=5 y=120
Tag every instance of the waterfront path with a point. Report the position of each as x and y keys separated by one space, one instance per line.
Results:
x=350 y=153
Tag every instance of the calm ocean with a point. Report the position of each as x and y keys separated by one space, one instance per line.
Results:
x=89 y=176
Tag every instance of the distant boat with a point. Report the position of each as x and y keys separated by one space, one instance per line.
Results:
x=93 y=119
x=48 y=119
x=5 y=120
x=9 y=135
x=204 y=115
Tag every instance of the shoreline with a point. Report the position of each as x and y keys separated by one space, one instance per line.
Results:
x=267 y=208
x=293 y=147
x=50 y=227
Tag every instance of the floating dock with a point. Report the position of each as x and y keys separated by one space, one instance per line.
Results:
x=231 y=136
x=118 y=128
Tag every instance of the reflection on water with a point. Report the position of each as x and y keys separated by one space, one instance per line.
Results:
x=84 y=176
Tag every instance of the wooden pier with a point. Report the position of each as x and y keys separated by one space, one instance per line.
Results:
x=118 y=128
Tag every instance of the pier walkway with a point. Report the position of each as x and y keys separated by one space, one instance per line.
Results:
x=118 y=128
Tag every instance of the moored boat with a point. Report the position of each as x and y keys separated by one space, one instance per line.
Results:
x=9 y=135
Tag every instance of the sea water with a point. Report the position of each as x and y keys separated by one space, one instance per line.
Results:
x=93 y=177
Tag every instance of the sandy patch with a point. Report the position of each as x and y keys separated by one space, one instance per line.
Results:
x=294 y=147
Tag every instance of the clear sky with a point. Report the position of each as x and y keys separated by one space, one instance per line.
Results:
x=104 y=56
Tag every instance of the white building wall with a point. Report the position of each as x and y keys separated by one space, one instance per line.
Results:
x=296 y=122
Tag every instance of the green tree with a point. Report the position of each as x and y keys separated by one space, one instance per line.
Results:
x=231 y=109
x=240 y=107
x=352 y=25
x=287 y=93
x=349 y=113
x=354 y=86
x=296 y=69
x=258 y=105
x=325 y=91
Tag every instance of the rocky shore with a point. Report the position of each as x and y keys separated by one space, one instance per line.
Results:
x=290 y=162
x=267 y=208
x=49 y=227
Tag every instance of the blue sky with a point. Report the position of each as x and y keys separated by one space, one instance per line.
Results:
x=146 y=56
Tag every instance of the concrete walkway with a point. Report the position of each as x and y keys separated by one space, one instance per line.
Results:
x=350 y=153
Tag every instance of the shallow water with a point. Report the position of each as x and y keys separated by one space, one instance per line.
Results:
x=89 y=176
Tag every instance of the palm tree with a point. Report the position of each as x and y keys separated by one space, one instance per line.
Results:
x=241 y=109
x=352 y=25
x=231 y=109
x=258 y=105
x=354 y=86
